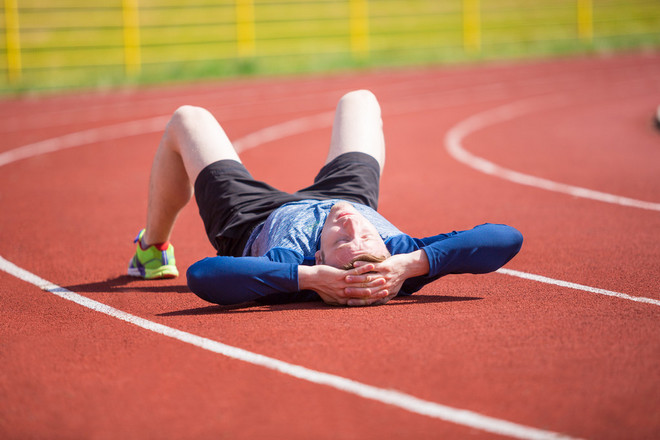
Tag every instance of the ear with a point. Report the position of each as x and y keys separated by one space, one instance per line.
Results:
x=318 y=256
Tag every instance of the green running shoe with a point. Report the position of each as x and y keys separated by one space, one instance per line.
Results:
x=153 y=262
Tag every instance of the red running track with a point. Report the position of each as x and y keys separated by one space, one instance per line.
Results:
x=525 y=356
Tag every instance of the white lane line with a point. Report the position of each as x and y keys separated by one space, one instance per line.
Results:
x=454 y=145
x=157 y=124
x=284 y=129
x=546 y=280
x=387 y=396
x=85 y=137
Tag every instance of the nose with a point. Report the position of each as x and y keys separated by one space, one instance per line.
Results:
x=349 y=225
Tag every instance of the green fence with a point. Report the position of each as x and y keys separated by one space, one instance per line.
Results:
x=65 y=43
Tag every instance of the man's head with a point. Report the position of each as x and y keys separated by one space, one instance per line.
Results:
x=347 y=236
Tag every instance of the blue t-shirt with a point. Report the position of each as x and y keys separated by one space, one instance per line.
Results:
x=297 y=227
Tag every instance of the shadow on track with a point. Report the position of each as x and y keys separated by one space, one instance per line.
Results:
x=125 y=284
x=255 y=307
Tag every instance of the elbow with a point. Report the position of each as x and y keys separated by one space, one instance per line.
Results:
x=511 y=241
x=204 y=280
x=515 y=239
x=214 y=280
x=198 y=281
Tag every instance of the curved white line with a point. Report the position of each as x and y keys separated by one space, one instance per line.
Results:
x=85 y=137
x=283 y=130
x=454 y=145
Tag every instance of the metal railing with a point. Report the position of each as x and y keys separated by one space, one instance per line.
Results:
x=70 y=41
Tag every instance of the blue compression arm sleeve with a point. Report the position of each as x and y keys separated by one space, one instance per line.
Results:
x=482 y=249
x=229 y=280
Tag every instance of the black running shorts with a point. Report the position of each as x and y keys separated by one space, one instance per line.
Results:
x=232 y=203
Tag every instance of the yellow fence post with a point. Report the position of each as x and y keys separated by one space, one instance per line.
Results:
x=471 y=25
x=585 y=19
x=359 y=27
x=13 y=39
x=245 y=34
x=132 y=55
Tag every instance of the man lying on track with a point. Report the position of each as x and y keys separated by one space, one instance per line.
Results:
x=326 y=240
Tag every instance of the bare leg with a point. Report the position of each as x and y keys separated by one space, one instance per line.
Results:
x=358 y=127
x=193 y=139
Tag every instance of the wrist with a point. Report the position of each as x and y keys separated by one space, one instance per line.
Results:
x=305 y=277
x=418 y=264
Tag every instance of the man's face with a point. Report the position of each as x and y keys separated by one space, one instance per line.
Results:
x=346 y=235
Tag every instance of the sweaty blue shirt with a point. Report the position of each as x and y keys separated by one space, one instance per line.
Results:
x=268 y=269
x=296 y=227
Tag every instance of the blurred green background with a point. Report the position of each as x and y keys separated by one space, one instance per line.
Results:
x=63 y=44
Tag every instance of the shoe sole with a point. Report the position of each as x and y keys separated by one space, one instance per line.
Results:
x=163 y=272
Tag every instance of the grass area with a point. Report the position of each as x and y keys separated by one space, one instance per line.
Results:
x=76 y=45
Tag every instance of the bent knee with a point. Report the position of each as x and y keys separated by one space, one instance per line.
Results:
x=360 y=97
x=186 y=114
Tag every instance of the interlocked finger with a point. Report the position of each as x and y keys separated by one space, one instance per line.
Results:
x=367 y=301
x=366 y=280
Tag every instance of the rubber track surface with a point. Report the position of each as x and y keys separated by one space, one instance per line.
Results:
x=540 y=355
